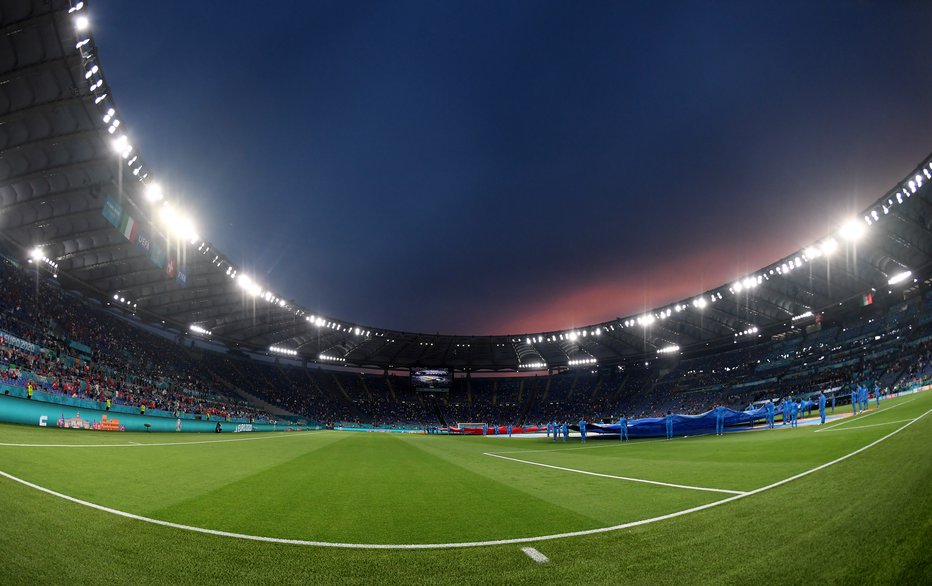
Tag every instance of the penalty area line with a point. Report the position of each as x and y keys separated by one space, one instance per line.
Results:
x=608 y=443
x=455 y=545
x=629 y=479
x=870 y=425
x=856 y=418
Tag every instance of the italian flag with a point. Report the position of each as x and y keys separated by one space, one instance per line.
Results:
x=129 y=228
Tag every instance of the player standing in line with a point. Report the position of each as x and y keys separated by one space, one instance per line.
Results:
x=582 y=431
x=822 y=407
x=566 y=431
x=876 y=395
x=854 y=401
x=794 y=412
x=864 y=404
x=719 y=420
x=833 y=403
x=509 y=430
x=623 y=428
x=769 y=414
x=669 y=422
x=548 y=429
x=785 y=406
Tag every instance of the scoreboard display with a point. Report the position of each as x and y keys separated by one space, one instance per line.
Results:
x=431 y=379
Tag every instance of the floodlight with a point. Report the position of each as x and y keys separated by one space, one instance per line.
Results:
x=828 y=246
x=900 y=277
x=82 y=23
x=852 y=230
x=36 y=253
x=120 y=143
x=184 y=228
x=248 y=285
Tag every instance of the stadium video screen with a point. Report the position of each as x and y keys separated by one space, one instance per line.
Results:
x=431 y=379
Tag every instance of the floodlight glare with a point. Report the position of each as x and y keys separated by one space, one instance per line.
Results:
x=248 y=285
x=82 y=23
x=184 y=228
x=36 y=253
x=120 y=143
x=900 y=277
x=852 y=230
x=829 y=246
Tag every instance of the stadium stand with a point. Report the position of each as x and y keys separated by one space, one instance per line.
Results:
x=94 y=352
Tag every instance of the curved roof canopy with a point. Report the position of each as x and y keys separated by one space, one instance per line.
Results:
x=76 y=194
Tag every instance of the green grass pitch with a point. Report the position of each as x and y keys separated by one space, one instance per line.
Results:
x=864 y=519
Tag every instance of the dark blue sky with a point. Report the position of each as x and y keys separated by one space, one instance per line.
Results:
x=503 y=166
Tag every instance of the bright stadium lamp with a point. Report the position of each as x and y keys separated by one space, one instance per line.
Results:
x=852 y=230
x=828 y=246
x=184 y=228
x=82 y=23
x=154 y=192
x=119 y=144
x=248 y=285
x=36 y=254
x=899 y=278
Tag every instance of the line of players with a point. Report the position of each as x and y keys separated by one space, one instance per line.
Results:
x=791 y=410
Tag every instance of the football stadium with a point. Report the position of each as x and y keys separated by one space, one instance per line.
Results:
x=168 y=415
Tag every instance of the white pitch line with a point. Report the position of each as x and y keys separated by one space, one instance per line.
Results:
x=870 y=425
x=278 y=434
x=535 y=555
x=613 y=444
x=856 y=418
x=464 y=543
x=588 y=473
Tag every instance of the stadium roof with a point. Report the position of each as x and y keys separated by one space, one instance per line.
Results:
x=76 y=196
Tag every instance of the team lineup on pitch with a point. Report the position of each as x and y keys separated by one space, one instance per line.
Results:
x=696 y=481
